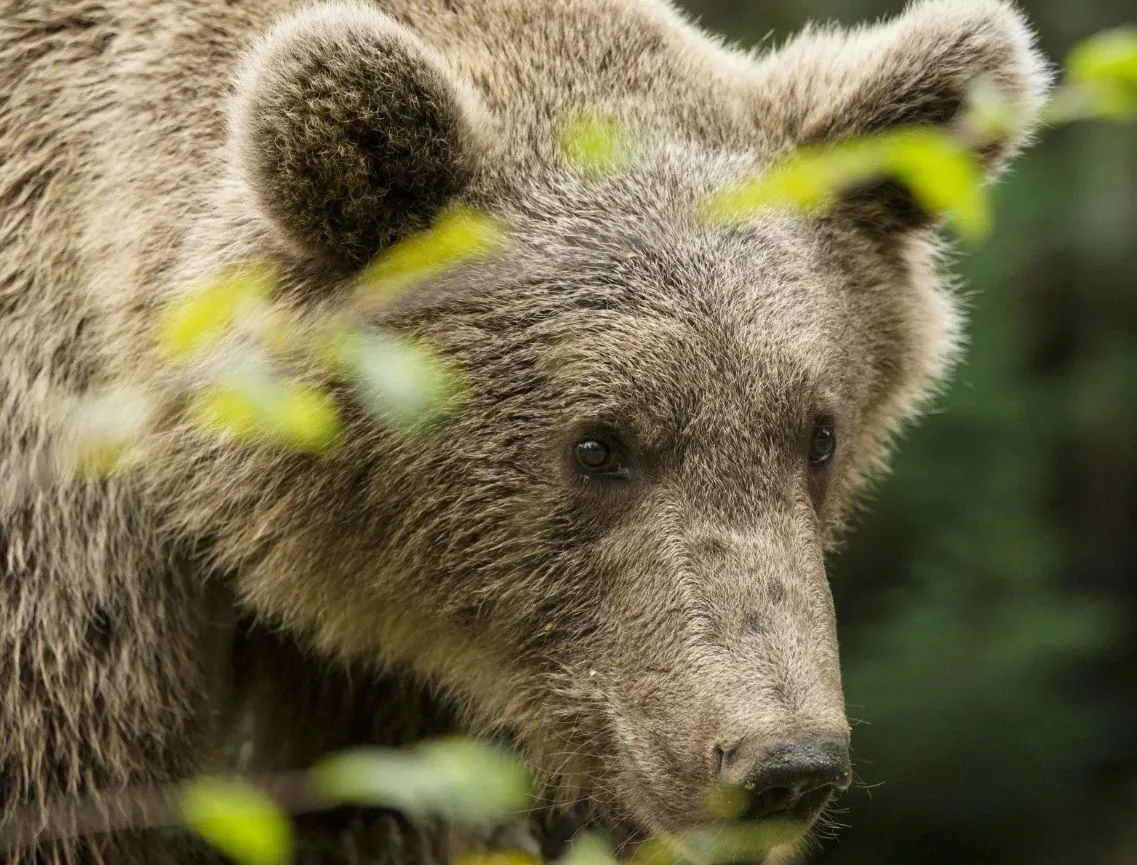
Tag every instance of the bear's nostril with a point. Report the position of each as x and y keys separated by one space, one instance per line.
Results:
x=790 y=781
x=786 y=803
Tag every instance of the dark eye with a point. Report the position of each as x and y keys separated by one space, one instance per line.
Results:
x=822 y=441
x=596 y=456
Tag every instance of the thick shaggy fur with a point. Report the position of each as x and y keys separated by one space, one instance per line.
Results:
x=616 y=632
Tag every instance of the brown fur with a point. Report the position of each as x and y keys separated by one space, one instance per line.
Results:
x=617 y=633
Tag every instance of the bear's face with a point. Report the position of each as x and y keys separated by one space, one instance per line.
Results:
x=663 y=425
x=611 y=551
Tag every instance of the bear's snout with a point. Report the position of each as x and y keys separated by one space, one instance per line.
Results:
x=792 y=780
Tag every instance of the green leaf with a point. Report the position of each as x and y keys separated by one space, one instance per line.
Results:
x=260 y=409
x=240 y=821
x=723 y=843
x=1104 y=67
x=202 y=317
x=102 y=426
x=809 y=181
x=403 y=380
x=453 y=777
x=459 y=236
x=592 y=143
x=944 y=177
x=500 y=857
x=588 y=849
x=990 y=113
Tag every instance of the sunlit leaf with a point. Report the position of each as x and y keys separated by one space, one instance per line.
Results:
x=1104 y=67
x=990 y=113
x=809 y=181
x=588 y=849
x=453 y=777
x=502 y=857
x=299 y=416
x=240 y=821
x=102 y=426
x=592 y=143
x=201 y=317
x=943 y=176
x=459 y=236
x=726 y=802
x=402 y=380
x=724 y=843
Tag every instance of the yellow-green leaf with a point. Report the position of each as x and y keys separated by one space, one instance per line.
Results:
x=592 y=143
x=809 y=181
x=723 y=844
x=459 y=236
x=103 y=426
x=588 y=849
x=453 y=777
x=240 y=821
x=299 y=416
x=500 y=857
x=402 y=380
x=201 y=317
x=1104 y=67
x=990 y=114
x=943 y=176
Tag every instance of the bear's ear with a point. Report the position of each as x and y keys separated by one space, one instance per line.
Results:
x=918 y=69
x=351 y=132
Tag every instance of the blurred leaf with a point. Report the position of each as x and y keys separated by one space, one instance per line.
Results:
x=726 y=801
x=502 y=857
x=724 y=843
x=459 y=236
x=256 y=408
x=102 y=426
x=809 y=181
x=592 y=143
x=990 y=114
x=202 y=317
x=1105 y=68
x=943 y=176
x=588 y=849
x=453 y=777
x=402 y=380
x=240 y=821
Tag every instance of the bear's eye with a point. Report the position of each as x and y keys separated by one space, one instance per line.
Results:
x=593 y=455
x=599 y=453
x=822 y=441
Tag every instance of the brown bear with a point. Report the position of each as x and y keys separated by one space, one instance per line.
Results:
x=610 y=553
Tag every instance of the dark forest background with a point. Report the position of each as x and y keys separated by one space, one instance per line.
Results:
x=988 y=599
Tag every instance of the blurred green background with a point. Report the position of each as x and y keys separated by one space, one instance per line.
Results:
x=988 y=599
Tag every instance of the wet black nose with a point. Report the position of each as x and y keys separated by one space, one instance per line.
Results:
x=791 y=780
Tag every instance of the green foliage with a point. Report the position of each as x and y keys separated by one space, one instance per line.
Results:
x=1105 y=68
x=459 y=236
x=201 y=318
x=500 y=857
x=401 y=380
x=239 y=820
x=455 y=777
x=719 y=844
x=592 y=143
x=103 y=427
x=943 y=175
x=260 y=408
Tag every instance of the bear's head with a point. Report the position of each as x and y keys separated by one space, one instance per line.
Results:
x=610 y=550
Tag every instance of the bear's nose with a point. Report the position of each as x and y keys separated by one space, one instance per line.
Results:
x=791 y=780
